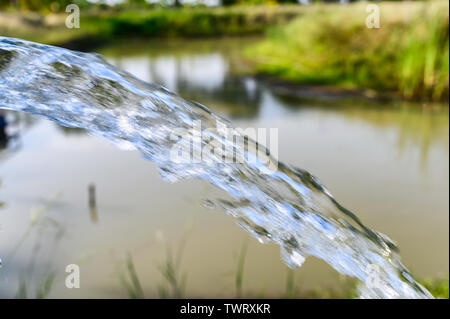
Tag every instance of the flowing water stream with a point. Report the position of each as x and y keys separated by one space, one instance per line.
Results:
x=287 y=206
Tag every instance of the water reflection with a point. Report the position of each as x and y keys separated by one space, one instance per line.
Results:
x=205 y=77
x=414 y=124
x=3 y=136
x=12 y=126
x=2 y=204
x=33 y=276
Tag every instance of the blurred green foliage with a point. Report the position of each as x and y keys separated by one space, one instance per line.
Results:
x=42 y=5
x=98 y=26
x=192 y=21
x=437 y=286
x=331 y=45
x=327 y=44
x=59 y=5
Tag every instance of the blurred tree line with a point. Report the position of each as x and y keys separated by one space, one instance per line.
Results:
x=60 y=5
x=41 y=5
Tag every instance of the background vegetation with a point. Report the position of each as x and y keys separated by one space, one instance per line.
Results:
x=320 y=44
x=408 y=54
x=103 y=23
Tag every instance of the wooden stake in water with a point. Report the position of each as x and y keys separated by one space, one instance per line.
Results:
x=92 y=203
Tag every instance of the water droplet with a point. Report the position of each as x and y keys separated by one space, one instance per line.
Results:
x=292 y=258
x=207 y=203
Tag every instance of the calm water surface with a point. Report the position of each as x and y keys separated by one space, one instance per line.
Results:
x=387 y=163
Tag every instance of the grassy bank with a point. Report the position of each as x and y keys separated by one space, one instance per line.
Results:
x=331 y=45
x=175 y=282
x=159 y=22
x=322 y=44
x=198 y=21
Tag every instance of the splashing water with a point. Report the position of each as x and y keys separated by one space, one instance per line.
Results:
x=288 y=206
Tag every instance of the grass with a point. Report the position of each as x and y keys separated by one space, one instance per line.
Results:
x=46 y=286
x=174 y=279
x=41 y=283
x=174 y=284
x=331 y=45
x=130 y=281
x=239 y=276
x=437 y=286
x=291 y=288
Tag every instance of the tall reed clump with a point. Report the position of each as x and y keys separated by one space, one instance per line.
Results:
x=424 y=62
x=331 y=45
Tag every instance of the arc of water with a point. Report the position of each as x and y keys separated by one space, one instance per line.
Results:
x=288 y=206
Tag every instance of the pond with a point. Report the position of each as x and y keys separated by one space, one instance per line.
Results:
x=387 y=162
